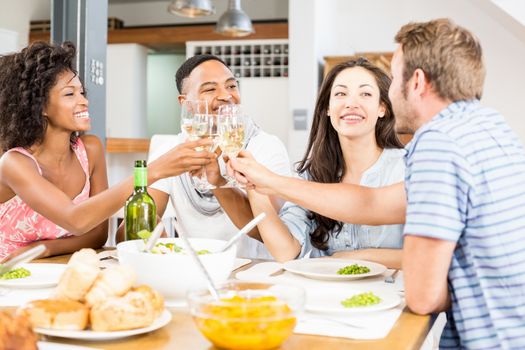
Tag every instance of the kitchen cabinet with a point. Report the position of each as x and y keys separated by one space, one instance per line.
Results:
x=174 y=38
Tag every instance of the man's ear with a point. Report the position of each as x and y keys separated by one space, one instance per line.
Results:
x=181 y=99
x=419 y=82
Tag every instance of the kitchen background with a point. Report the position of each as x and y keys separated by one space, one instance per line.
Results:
x=141 y=92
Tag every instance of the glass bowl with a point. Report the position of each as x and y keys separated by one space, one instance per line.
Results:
x=248 y=316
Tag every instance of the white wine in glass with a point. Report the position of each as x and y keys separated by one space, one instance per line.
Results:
x=231 y=132
x=203 y=126
x=189 y=109
x=232 y=139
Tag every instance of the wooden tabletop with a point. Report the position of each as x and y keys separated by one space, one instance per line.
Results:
x=408 y=333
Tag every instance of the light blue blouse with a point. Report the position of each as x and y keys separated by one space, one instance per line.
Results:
x=387 y=170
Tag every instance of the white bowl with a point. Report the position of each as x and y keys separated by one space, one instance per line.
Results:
x=172 y=275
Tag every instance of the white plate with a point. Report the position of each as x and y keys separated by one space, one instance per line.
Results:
x=42 y=276
x=326 y=269
x=88 y=335
x=324 y=301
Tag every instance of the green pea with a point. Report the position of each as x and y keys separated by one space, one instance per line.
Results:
x=360 y=300
x=16 y=273
x=353 y=269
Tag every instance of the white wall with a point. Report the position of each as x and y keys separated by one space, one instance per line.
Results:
x=8 y=41
x=126 y=104
x=15 y=15
x=350 y=26
x=126 y=92
x=514 y=7
x=266 y=101
x=303 y=69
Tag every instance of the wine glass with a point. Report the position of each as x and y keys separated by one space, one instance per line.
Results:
x=193 y=124
x=204 y=125
x=189 y=108
x=231 y=134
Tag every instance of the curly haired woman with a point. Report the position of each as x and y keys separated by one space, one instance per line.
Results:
x=352 y=140
x=53 y=182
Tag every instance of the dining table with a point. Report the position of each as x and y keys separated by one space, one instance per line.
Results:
x=409 y=332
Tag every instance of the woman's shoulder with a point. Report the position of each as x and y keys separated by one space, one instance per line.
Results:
x=17 y=161
x=392 y=166
x=91 y=142
x=94 y=151
x=394 y=153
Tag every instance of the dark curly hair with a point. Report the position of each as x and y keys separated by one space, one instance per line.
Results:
x=323 y=160
x=26 y=77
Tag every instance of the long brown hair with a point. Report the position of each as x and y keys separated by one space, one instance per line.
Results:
x=323 y=160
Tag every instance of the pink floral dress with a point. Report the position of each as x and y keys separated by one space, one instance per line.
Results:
x=20 y=225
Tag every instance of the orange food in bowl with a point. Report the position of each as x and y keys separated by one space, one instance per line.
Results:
x=245 y=321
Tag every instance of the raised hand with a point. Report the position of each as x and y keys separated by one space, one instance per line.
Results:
x=251 y=173
x=181 y=159
x=213 y=171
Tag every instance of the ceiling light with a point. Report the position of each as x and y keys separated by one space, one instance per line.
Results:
x=191 y=8
x=234 y=22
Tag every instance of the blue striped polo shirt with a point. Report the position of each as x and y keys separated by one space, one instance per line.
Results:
x=465 y=182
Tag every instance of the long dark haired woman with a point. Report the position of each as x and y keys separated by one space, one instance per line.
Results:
x=352 y=140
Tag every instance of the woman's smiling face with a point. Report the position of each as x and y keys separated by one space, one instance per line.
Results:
x=67 y=107
x=355 y=103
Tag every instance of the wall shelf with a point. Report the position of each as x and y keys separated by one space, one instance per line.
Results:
x=165 y=38
x=261 y=58
x=125 y=145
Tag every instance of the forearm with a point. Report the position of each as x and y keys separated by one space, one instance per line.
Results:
x=274 y=233
x=391 y=258
x=426 y=284
x=235 y=204
x=99 y=207
x=93 y=239
x=346 y=202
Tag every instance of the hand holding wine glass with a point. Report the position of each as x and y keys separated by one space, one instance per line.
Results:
x=253 y=174
x=180 y=159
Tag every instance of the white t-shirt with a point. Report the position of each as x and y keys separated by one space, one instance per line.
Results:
x=267 y=149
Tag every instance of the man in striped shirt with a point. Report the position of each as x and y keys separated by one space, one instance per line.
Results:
x=464 y=235
x=464 y=241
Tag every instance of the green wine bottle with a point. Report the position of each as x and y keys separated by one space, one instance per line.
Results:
x=140 y=212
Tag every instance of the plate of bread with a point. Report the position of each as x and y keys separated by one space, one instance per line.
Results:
x=42 y=276
x=93 y=304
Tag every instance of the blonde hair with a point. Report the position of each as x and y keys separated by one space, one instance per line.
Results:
x=449 y=55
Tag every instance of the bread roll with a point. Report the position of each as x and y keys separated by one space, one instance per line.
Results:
x=16 y=333
x=157 y=301
x=56 y=314
x=76 y=281
x=85 y=256
x=114 y=281
x=131 y=311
